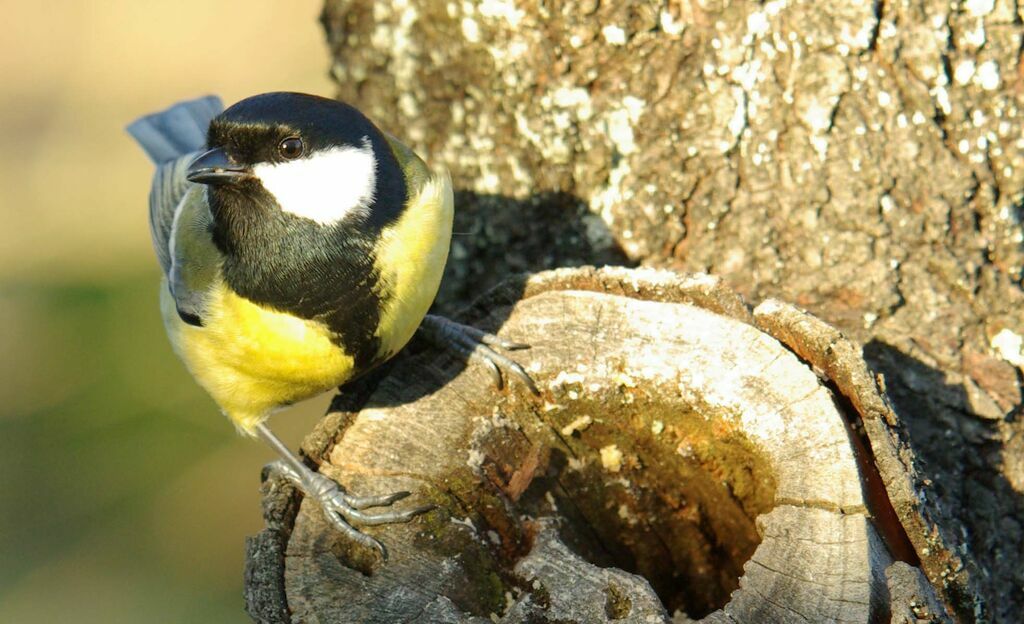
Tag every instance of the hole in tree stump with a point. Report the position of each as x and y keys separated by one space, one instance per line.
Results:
x=651 y=486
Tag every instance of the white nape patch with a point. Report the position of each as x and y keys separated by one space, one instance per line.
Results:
x=325 y=186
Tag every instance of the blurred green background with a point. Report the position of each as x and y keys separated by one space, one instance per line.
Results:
x=124 y=495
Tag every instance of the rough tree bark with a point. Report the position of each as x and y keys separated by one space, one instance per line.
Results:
x=674 y=438
x=860 y=159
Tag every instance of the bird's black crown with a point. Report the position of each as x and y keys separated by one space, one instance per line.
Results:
x=251 y=130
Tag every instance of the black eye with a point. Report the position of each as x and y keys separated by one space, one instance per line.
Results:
x=290 y=148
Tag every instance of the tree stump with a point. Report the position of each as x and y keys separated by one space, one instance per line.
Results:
x=680 y=462
x=861 y=159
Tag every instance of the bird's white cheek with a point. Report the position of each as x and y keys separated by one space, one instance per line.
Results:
x=325 y=187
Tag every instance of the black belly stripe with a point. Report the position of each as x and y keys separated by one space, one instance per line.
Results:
x=325 y=274
x=354 y=322
x=349 y=308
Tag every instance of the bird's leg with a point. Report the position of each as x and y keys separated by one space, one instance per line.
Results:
x=339 y=506
x=476 y=346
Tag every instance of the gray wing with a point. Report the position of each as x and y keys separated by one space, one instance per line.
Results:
x=172 y=138
x=195 y=259
x=169 y=187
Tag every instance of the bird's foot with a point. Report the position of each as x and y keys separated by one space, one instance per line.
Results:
x=341 y=508
x=476 y=346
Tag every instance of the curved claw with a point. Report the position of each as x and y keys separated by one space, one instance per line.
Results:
x=340 y=508
x=514 y=346
x=477 y=334
x=492 y=368
x=513 y=366
x=494 y=340
x=389 y=517
x=384 y=500
x=475 y=345
x=354 y=534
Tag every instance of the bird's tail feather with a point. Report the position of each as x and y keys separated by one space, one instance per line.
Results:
x=179 y=130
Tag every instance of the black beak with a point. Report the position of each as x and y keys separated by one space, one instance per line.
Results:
x=213 y=167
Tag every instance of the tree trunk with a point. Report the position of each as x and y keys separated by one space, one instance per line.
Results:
x=680 y=460
x=860 y=159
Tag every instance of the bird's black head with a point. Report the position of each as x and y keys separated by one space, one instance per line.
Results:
x=290 y=155
x=300 y=188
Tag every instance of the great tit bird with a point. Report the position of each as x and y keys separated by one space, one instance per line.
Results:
x=301 y=246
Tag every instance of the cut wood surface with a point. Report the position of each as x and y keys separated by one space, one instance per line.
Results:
x=680 y=462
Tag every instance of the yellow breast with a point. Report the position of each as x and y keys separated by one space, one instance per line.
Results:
x=252 y=359
x=410 y=261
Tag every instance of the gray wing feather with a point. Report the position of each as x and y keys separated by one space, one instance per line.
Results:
x=172 y=138
x=169 y=187
x=195 y=260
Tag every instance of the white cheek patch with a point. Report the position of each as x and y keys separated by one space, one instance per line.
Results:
x=324 y=187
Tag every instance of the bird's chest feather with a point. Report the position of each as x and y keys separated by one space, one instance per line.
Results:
x=410 y=260
x=253 y=359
